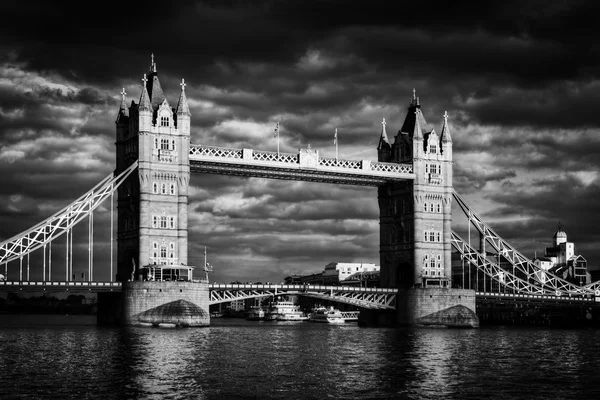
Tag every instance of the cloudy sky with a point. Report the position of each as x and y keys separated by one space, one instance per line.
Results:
x=520 y=81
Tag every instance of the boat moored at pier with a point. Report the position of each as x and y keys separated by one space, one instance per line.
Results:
x=327 y=315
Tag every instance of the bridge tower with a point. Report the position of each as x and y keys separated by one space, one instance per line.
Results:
x=152 y=235
x=415 y=225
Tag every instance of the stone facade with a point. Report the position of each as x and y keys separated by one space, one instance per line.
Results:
x=415 y=216
x=142 y=302
x=152 y=206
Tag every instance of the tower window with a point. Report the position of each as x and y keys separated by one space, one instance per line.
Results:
x=439 y=208
x=172 y=188
x=154 y=221
x=425 y=207
x=164 y=121
x=164 y=144
x=163 y=252
x=163 y=188
x=172 y=222
x=155 y=188
x=433 y=148
x=163 y=221
x=431 y=236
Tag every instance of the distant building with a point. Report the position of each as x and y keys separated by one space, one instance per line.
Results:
x=560 y=260
x=336 y=273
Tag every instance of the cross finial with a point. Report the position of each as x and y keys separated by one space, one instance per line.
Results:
x=144 y=79
x=445 y=117
x=123 y=93
x=182 y=84
x=414 y=94
x=152 y=59
x=383 y=122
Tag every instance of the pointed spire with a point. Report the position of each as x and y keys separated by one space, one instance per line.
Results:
x=446 y=138
x=182 y=107
x=383 y=139
x=144 y=98
x=123 y=108
x=418 y=131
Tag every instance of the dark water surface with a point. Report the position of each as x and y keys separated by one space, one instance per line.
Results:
x=69 y=357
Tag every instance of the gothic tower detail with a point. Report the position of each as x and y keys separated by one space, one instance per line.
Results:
x=415 y=216
x=152 y=205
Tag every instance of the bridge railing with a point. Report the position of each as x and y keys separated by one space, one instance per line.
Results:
x=279 y=159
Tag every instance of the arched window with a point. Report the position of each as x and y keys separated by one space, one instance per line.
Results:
x=163 y=188
x=154 y=188
x=425 y=207
x=172 y=188
x=439 y=208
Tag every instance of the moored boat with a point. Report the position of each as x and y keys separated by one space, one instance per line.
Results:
x=327 y=315
x=285 y=311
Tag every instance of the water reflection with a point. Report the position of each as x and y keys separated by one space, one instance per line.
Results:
x=241 y=359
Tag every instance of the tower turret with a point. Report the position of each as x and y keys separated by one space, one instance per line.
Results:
x=145 y=108
x=183 y=111
x=384 y=150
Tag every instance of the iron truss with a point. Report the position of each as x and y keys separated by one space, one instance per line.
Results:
x=59 y=223
x=528 y=278
x=371 y=298
x=266 y=164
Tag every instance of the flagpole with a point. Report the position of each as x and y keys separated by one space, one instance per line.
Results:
x=336 y=145
x=277 y=134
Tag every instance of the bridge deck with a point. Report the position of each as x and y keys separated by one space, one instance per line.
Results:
x=306 y=165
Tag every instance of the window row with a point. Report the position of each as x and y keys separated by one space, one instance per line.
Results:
x=164 y=144
x=432 y=265
x=164 y=188
x=431 y=207
x=433 y=168
x=163 y=222
x=431 y=236
x=163 y=254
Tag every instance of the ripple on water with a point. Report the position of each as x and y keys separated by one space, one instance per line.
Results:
x=242 y=359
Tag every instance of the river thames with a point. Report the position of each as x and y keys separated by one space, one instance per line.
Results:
x=69 y=357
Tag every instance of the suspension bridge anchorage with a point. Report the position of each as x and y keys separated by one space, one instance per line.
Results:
x=520 y=274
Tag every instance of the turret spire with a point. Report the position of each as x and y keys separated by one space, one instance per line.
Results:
x=123 y=108
x=445 y=135
x=383 y=139
x=144 y=98
x=182 y=106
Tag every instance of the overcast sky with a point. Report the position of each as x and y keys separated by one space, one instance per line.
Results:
x=520 y=82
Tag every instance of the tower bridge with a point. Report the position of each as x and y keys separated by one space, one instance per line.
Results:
x=154 y=159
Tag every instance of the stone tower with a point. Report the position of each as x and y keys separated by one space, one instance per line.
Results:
x=152 y=204
x=415 y=216
x=415 y=228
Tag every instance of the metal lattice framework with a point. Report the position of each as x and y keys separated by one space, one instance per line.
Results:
x=276 y=165
x=46 y=231
x=371 y=298
x=528 y=278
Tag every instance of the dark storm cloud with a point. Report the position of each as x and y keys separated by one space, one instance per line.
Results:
x=519 y=80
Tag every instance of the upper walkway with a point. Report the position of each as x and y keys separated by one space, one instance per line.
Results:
x=306 y=165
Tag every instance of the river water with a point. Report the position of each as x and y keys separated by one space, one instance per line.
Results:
x=69 y=357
